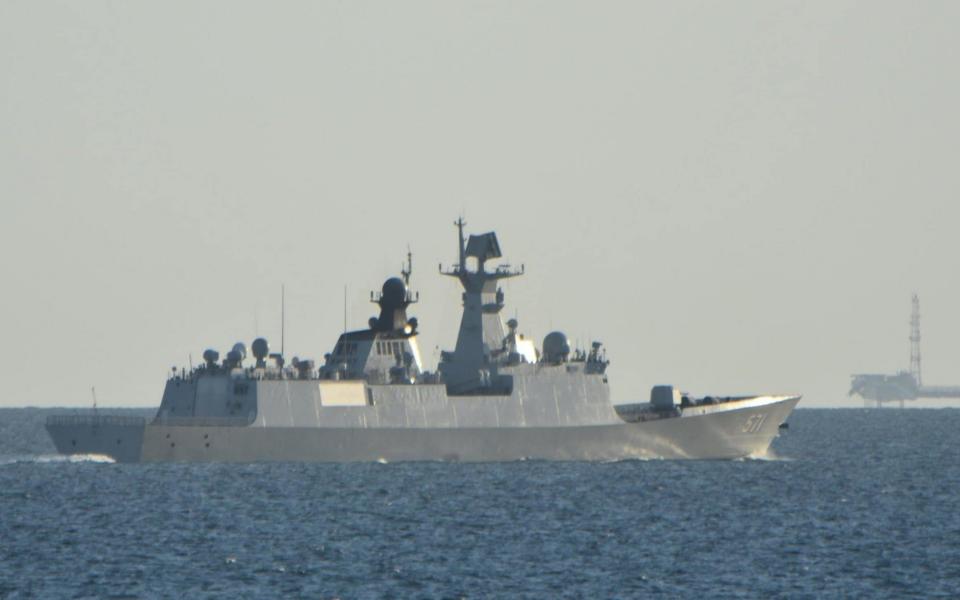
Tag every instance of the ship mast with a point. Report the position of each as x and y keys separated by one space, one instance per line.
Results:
x=482 y=330
x=460 y=223
x=406 y=271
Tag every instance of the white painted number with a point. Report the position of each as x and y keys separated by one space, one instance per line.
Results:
x=753 y=424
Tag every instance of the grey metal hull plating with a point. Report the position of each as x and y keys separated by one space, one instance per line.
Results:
x=731 y=430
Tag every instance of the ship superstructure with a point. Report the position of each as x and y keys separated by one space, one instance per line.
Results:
x=495 y=396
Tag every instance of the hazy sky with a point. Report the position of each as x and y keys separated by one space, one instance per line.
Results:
x=733 y=196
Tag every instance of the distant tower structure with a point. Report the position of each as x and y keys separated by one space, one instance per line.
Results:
x=915 y=341
x=905 y=385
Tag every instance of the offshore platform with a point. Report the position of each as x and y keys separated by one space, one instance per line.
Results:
x=905 y=385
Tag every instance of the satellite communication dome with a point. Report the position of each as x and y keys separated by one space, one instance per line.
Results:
x=211 y=356
x=260 y=348
x=234 y=357
x=394 y=292
x=240 y=349
x=555 y=347
x=512 y=324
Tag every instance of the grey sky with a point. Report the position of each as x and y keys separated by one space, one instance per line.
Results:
x=733 y=196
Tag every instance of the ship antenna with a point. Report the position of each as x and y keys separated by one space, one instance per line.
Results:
x=463 y=259
x=344 y=308
x=408 y=270
x=283 y=306
x=93 y=392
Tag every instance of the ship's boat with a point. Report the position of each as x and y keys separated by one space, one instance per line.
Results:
x=495 y=397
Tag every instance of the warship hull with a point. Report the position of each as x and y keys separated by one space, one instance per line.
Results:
x=736 y=429
x=495 y=397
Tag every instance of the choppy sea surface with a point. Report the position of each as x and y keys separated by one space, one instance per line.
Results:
x=855 y=503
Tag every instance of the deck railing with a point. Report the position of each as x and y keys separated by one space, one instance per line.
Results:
x=204 y=421
x=96 y=420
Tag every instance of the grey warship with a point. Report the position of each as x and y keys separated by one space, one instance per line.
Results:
x=495 y=397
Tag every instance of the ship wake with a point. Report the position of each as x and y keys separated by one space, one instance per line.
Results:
x=767 y=455
x=56 y=458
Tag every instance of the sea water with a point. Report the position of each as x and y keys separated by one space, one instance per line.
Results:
x=851 y=503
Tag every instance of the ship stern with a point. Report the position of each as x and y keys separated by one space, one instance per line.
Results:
x=114 y=436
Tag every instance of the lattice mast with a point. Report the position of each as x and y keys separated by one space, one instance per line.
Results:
x=915 y=341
